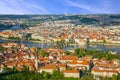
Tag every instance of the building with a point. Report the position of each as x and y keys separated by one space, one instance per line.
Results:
x=68 y=58
x=104 y=73
x=48 y=68
x=79 y=63
x=71 y=73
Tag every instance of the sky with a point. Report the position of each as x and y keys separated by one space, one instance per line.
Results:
x=59 y=7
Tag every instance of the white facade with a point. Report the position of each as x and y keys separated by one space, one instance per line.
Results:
x=76 y=75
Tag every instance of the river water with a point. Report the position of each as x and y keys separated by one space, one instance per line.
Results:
x=114 y=48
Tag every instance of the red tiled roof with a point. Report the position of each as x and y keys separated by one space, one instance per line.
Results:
x=76 y=62
x=69 y=57
x=49 y=67
x=70 y=71
x=113 y=71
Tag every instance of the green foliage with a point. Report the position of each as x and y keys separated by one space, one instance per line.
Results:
x=2 y=48
x=67 y=53
x=96 y=54
x=71 y=78
x=44 y=53
x=10 y=70
x=89 y=20
x=114 y=77
x=47 y=75
x=118 y=77
x=25 y=74
x=57 y=75
x=25 y=69
x=13 y=74
x=15 y=38
x=87 y=76
x=80 y=52
x=37 y=51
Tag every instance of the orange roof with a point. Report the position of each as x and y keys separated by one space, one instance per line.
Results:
x=73 y=62
x=76 y=62
x=61 y=65
x=84 y=63
x=69 y=57
x=70 y=71
x=113 y=71
x=10 y=63
x=60 y=50
x=54 y=49
x=43 y=59
x=33 y=48
x=49 y=67
x=18 y=68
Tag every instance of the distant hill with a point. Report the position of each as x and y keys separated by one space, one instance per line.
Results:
x=92 y=19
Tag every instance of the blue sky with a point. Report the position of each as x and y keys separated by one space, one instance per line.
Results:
x=59 y=6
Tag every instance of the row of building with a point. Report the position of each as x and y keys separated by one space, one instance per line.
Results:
x=55 y=32
x=19 y=55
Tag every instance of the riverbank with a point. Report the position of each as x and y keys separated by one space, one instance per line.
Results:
x=35 y=41
x=24 y=40
x=106 y=44
x=101 y=46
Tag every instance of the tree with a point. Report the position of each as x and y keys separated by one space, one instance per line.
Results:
x=77 y=51
x=2 y=48
x=67 y=53
x=25 y=69
x=71 y=78
x=80 y=52
x=44 y=53
x=118 y=77
x=114 y=77
x=47 y=75
x=37 y=50
x=57 y=74
x=9 y=70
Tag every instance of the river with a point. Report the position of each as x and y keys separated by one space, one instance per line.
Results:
x=114 y=48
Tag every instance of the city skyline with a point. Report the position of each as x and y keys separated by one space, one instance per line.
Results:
x=59 y=7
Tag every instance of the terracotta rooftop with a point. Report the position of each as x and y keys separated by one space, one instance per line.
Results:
x=76 y=62
x=69 y=57
x=113 y=71
x=49 y=67
x=70 y=71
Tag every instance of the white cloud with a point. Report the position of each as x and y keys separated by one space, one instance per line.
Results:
x=20 y=7
x=7 y=10
x=101 y=8
x=43 y=10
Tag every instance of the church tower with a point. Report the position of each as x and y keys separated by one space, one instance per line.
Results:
x=36 y=62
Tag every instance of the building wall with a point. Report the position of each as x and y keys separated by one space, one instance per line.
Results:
x=46 y=70
x=76 y=75
x=104 y=74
